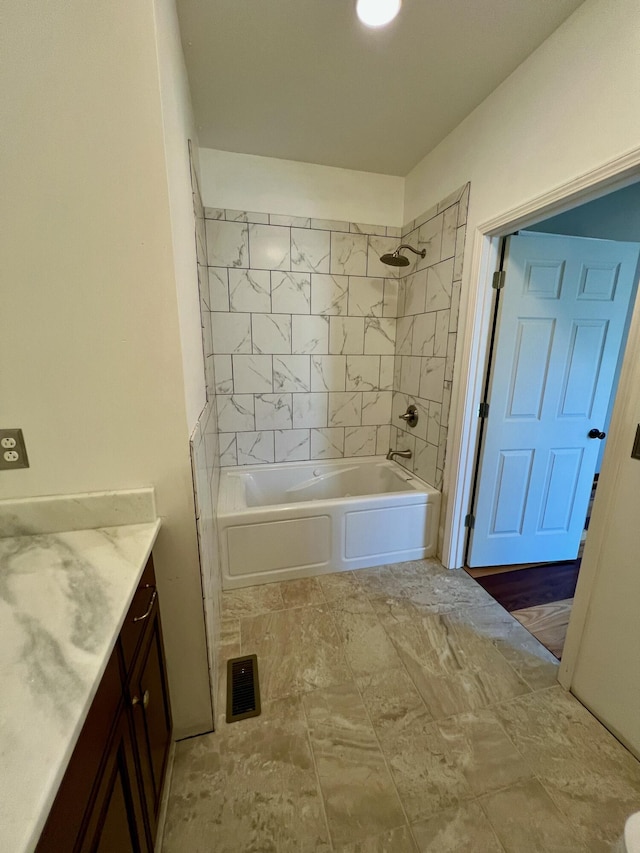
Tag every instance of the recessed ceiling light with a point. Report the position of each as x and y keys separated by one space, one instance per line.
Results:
x=377 y=13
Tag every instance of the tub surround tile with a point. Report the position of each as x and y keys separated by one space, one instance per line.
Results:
x=273 y=411
x=310 y=410
x=405 y=327
x=441 y=340
x=291 y=373
x=245 y=216
x=252 y=374
x=231 y=333
x=218 y=296
x=359 y=794
x=328 y=372
x=345 y=409
x=366 y=297
x=439 y=281
x=361 y=228
x=415 y=290
x=348 y=254
x=227 y=243
x=310 y=250
x=330 y=225
x=292 y=445
x=383 y=439
x=376 y=247
x=310 y=335
x=290 y=292
x=272 y=333
x=363 y=373
x=329 y=294
x=228 y=449
x=269 y=247
x=223 y=374
x=360 y=441
x=250 y=290
x=236 y=413
x=379 y=336
x=327 y=443
x=255 y=448
x=314 y=296
x=346 y=336
x=449 y=229
x=390 y=301
x=376 y=407
x=387 y=366
x=290 y=221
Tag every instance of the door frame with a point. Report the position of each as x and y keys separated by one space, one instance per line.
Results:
x=472 y=350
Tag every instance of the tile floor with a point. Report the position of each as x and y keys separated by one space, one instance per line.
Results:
x=404 y=710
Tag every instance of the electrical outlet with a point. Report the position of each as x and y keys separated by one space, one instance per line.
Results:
x=14 y=452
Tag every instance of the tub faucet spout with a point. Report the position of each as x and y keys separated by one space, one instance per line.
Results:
x=406 y=454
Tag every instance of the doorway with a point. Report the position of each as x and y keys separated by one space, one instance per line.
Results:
x=534 y=490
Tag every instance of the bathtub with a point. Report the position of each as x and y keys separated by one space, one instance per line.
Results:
x=299 y=519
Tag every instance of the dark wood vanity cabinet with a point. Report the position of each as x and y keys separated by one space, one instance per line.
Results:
x=109 y=799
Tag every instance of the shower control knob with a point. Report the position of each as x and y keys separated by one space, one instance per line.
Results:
x=595 y=433
x=410 y=416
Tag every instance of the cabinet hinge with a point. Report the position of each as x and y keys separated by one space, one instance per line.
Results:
x=483 y=410
x=469 y=521
x=498 y=279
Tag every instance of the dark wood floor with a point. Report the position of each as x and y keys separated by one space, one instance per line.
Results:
x=534 y=586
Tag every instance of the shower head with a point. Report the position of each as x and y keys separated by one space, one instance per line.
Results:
x=395 y=259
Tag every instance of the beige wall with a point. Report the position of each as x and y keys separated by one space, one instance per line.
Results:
x=179 y=127
x=90 y=348
x=570 y=106
x=268 y=185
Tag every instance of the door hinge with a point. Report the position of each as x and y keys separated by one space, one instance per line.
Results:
x=483 y=410
x=498 y=279
x=469 y=521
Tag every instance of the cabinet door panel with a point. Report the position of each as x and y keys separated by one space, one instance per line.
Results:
x=116 y=823
x=152 y=717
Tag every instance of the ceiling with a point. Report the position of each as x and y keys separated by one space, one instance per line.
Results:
x=304 y=80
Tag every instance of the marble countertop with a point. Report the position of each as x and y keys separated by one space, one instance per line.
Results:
x=63 y=599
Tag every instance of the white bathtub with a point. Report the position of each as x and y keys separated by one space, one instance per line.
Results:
x=298 y=519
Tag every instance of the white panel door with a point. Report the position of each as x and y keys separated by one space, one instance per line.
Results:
x=562 y=318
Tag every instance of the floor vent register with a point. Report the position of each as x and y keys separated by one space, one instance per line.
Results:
x=243 y=688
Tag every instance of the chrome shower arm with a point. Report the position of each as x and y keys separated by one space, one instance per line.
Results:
x=421 y=252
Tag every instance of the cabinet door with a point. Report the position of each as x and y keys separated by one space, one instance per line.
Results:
x=151 y=714
x=116 y=823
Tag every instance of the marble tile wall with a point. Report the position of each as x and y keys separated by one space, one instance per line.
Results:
x=300 y=334
x=428 y=305
x=205 y=461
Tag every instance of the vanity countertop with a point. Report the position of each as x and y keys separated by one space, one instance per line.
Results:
x=63 y=598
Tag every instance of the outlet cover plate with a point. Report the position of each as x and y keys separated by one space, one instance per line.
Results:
x=12 y=444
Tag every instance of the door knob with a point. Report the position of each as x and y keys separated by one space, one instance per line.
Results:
x=595 y=433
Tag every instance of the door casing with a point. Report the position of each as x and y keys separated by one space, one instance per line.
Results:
x=471 y=355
